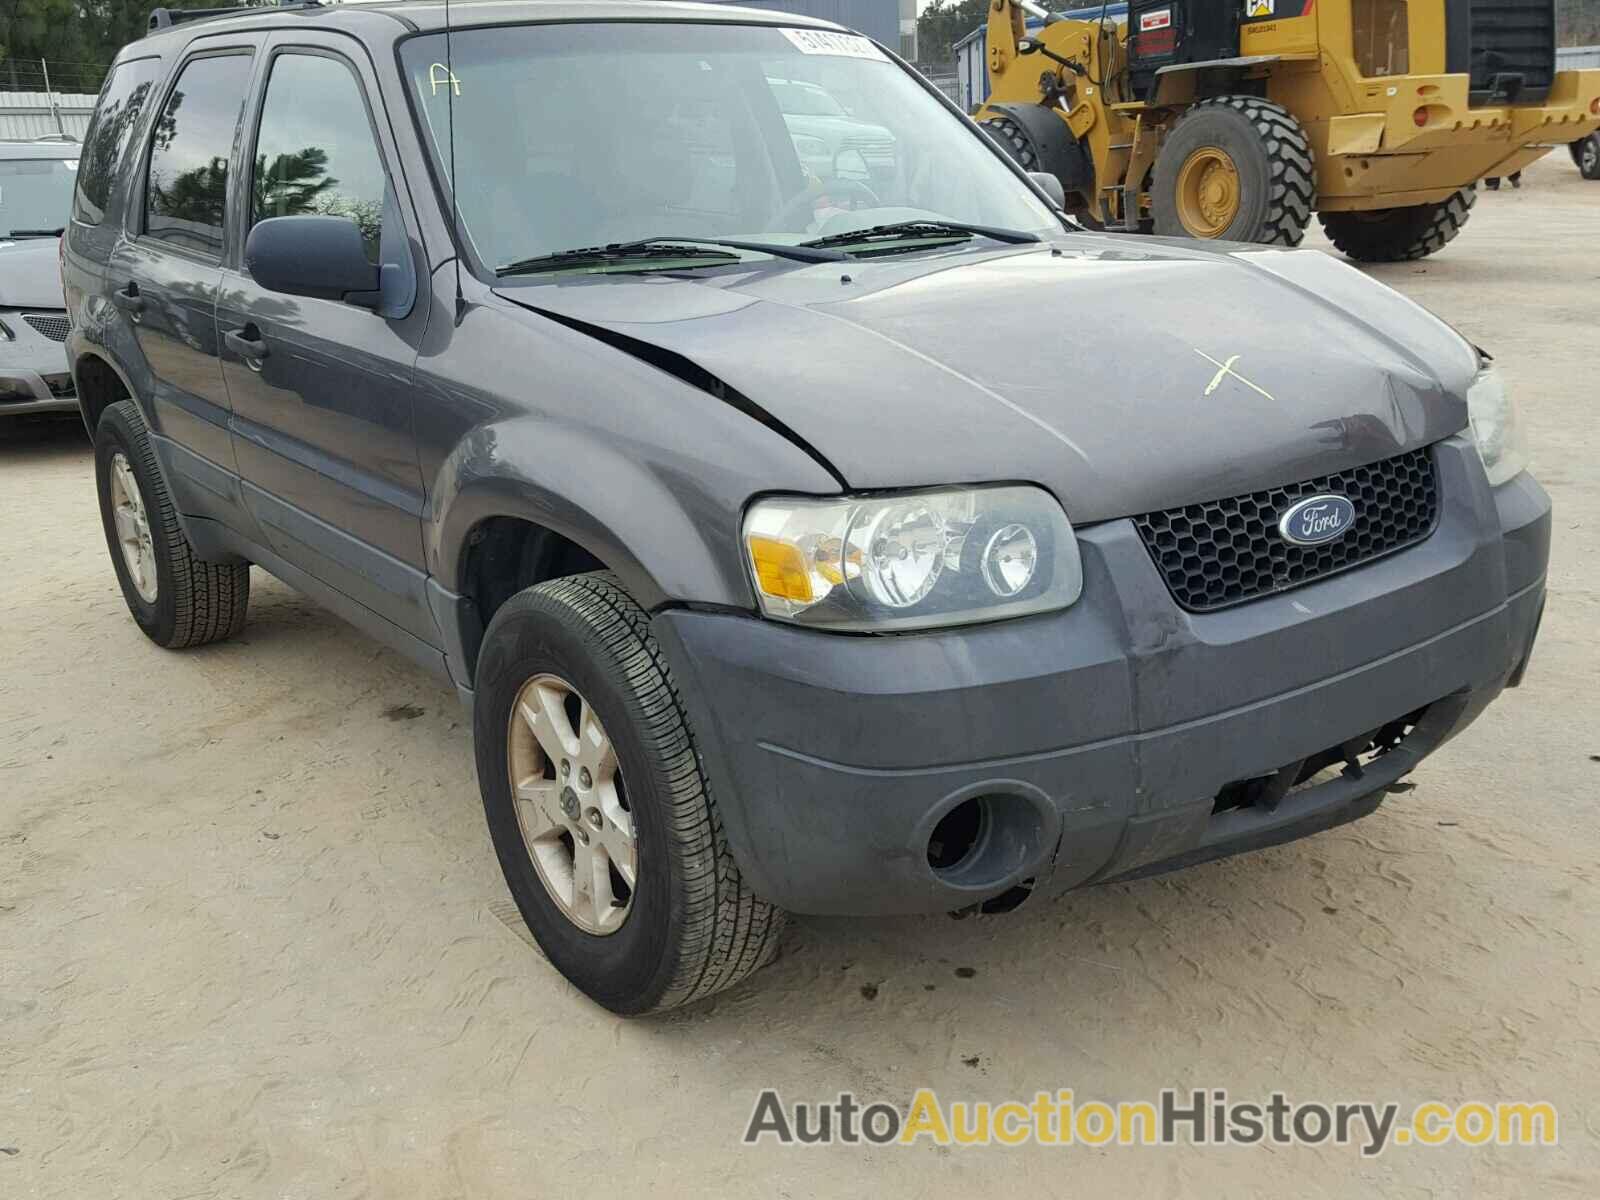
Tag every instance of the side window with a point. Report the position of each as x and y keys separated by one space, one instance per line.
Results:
x=122 y=102
x=187 y=192
x=315 y=151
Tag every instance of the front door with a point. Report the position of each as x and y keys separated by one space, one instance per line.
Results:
x=321 y=390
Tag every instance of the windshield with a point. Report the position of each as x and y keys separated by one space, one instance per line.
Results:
x=35 y=193
x=583 y=135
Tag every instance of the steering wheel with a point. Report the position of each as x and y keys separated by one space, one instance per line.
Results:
x=793 y=206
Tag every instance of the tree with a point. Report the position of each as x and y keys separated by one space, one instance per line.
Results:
x=78 y=38
x=292 y=185
x=1577 y=22
x=944 y=23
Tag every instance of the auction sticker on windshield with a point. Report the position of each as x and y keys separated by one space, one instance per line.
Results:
x=840 y=45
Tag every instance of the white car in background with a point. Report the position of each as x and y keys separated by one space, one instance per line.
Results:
x=822 y=129
x=36 y=182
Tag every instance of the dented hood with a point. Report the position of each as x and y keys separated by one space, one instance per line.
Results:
x=1125 y=374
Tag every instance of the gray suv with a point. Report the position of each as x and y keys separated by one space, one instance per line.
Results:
x=858 y=544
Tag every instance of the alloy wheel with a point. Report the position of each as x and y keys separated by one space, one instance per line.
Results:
x=572 y=805
x=133 y=529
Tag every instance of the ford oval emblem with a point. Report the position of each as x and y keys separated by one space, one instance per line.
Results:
x=1317 y=519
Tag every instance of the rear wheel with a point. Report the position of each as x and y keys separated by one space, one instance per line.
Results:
x=1237 y=168
x=600 y=810
x=177 y=598
x=1399 y=234
x=1586 y=153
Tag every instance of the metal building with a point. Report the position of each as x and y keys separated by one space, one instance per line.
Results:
x=25 y=116
x=1577 y=58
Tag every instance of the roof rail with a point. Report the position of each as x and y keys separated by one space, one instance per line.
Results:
x=165 y=18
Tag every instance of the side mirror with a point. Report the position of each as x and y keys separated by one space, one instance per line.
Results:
x=321 y=257
x=1050 y=186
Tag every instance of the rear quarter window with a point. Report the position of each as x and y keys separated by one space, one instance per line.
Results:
x=122 y=102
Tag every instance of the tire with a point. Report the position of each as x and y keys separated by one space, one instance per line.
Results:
x=195 y=602
x=692 y=926
x=1586 y=153
x=1014 y=140
x=1399 y=234
x=1276 y=175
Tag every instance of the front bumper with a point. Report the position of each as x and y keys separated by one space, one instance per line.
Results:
x=34 y=376
x=1108 y=731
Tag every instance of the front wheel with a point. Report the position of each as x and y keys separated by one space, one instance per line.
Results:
x=1237 y=168
x=599 y=808
x=1399 y=234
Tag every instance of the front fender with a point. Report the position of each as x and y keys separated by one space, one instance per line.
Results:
x=614 y=506
x=541 y=422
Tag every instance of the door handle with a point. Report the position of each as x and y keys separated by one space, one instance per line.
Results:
x=129 y=300
x=252 y=350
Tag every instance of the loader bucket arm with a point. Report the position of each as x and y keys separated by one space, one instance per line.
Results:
x=1007 y=26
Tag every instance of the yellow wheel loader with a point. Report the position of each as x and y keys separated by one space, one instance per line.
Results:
x=1238 y=119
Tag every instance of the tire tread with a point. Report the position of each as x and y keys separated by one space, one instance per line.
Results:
x=210 y=600
x=1401 y=234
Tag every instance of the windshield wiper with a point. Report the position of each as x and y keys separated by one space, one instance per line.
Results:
x=667 y=248
x=36 y=233
x=903 y=230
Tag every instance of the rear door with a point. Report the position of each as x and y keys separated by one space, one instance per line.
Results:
x=164 y=275
x=321 y=390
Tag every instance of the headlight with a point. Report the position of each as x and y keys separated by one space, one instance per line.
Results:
x=912 y=560
x=1495 y=427
x=807 y=146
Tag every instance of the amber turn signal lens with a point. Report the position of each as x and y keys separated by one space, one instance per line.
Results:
x=781 y=569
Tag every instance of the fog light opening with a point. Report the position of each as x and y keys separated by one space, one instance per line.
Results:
x=956 y=836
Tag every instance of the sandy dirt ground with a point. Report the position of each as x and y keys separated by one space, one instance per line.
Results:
x=253 y=940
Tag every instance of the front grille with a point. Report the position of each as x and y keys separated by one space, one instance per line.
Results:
x=53 y=327
x=1511 y=38
x=870 y=147
x=1227 y=551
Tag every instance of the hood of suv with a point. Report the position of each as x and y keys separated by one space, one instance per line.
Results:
x=1124 y=374
x=30 y=273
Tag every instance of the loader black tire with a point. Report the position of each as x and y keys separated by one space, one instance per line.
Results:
x=1399 y=234
x=1586 y=156
x=1014 y=140
x=195 y=602
x=1271 y=155
x=695 y=927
